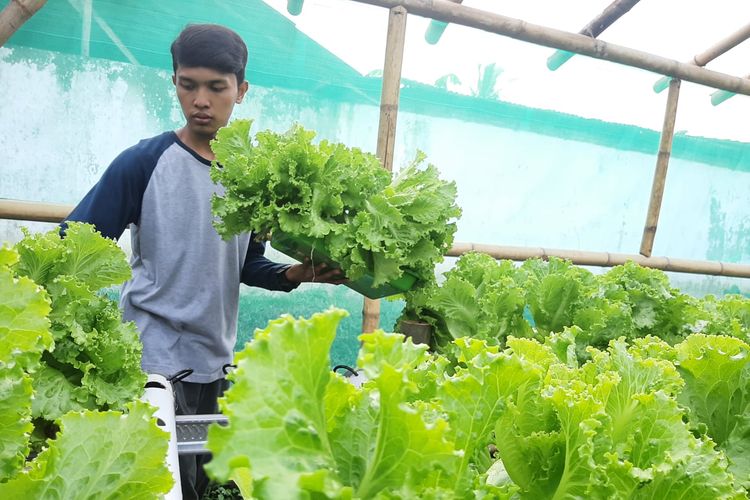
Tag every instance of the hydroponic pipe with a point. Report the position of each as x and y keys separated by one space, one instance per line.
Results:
x=446 y=11
x=434 y=31
x=710 y=54
x=436 y=28
x=294 y=7
x=596 y=27
x=722 y=95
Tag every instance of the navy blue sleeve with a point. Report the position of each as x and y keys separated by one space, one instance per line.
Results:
x=115 y=201
x=261 y=272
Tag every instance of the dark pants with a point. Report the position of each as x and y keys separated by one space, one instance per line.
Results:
x=196 y=399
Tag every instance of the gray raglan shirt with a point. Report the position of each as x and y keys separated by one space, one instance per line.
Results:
x=184 y=293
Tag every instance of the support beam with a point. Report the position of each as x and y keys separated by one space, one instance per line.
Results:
x=55 y=212
x=33 y=211
x=15 y=14
x=605 y=259
x=660 y=173
x=596 y=27
x=444 y=10
x=711 y=53
x=394 y=56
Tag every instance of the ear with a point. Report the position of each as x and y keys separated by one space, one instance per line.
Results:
x=242 y=91
x=174 y=79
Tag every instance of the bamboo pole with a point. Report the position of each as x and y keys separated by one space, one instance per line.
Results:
x=444 y=10
x=711 y=53
x=55 y=212
x=394 y=56
x=593 y=29
x=605 y=259
x=33 y=211
x=15 y=14
x=660 y=173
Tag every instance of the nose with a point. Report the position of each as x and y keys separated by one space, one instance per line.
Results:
x=201 y=98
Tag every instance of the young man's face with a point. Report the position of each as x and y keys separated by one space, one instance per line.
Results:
x=207 y=98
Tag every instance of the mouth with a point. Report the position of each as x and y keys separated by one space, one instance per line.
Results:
x=201 y=118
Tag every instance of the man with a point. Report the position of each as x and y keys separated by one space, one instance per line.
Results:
x=184 y=293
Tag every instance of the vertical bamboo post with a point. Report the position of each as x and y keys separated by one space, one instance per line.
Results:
x=660 y=174
x=394 y=56
x=15 y=14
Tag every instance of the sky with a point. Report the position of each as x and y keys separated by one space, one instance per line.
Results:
x=677 y=29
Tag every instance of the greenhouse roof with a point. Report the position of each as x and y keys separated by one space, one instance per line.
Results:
x=141 y=33
x=331 y=48
x=583 y=86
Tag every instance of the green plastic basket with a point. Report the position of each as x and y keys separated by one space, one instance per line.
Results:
x=300 y=248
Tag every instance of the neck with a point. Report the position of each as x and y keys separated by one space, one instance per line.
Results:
x=201 y=144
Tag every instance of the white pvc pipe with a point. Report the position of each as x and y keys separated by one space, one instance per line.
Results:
x=159 y=393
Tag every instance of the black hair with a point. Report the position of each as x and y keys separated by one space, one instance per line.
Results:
x=210 y=46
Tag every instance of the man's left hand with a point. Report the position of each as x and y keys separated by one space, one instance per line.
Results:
x=307 y=273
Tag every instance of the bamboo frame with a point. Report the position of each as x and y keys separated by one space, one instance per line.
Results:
x=33 y=211
x=711 y=53
x=607 y=18
x=605 y=259
x=660 y=173
x=394 y=55
x=55 y=212
x=594 y=28
x=444 y=10
x=15 y=14
x=722 y=46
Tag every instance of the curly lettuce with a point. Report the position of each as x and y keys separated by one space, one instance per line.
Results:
x=340 y=197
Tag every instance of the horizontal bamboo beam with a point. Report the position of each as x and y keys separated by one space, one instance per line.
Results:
x=605 y=259
x=34 y=211
x=56 y=212
x=594 y=28
x=711 y=53
x=444 y=10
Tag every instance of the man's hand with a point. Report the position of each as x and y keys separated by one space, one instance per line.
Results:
x=306 y=273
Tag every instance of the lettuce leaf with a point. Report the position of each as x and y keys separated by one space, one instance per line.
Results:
x=24 y=334
x=99 y=455
x=716 y=370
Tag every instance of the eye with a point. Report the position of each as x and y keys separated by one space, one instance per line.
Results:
x=187 y=85
x=218 y=88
